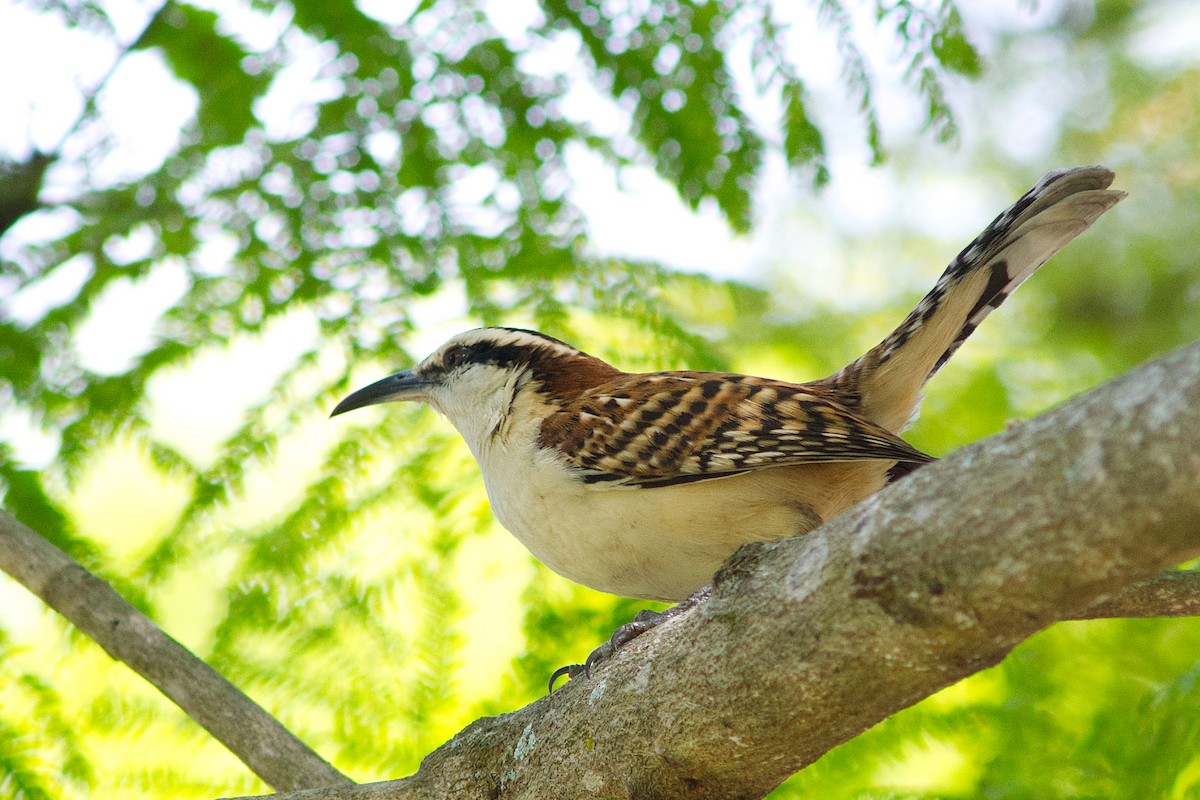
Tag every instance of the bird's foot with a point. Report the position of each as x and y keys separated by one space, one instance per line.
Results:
x=645 y=620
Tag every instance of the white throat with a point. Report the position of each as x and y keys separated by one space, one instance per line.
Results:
x=479 y=404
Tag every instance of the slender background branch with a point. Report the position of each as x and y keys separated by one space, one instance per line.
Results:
x=128 y=635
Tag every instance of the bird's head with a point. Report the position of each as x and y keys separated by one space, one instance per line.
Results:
x=475 y=378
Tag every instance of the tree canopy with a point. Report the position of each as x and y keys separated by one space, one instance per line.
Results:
x=346 y=181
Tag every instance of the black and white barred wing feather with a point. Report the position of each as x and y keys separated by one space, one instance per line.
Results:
x=678 y=427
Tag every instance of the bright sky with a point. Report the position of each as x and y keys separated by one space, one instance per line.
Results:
x=43 y=105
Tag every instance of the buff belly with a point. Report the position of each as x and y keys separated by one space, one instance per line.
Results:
x=664 y=543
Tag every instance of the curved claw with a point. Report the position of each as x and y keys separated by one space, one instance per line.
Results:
x=601 y=654
x=644 y=621
x=570 y=670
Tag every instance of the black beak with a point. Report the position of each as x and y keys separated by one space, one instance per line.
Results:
x=401 y=386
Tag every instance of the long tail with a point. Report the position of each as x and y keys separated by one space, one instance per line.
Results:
x=885 y=383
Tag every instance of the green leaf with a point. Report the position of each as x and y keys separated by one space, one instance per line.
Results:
x=211 y=63
x=957 y=54
x=803 y=141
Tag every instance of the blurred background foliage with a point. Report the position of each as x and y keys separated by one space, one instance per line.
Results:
x=336 y=186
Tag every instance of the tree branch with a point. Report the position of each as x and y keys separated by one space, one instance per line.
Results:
x=1168 y=594
x=126 y=634
x=809 y=641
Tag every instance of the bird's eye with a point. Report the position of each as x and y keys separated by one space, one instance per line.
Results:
x=454 y=356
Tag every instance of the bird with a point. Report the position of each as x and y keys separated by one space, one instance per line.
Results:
x=643 y=484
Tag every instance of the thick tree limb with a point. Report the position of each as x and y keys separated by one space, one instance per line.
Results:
x=128 y=635
x=809 y=641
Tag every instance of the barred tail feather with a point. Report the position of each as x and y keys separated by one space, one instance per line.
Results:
x=889 y=377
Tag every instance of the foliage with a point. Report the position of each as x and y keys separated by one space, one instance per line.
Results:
x=349 y=575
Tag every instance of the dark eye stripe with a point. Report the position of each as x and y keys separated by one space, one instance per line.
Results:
x=503 y=356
